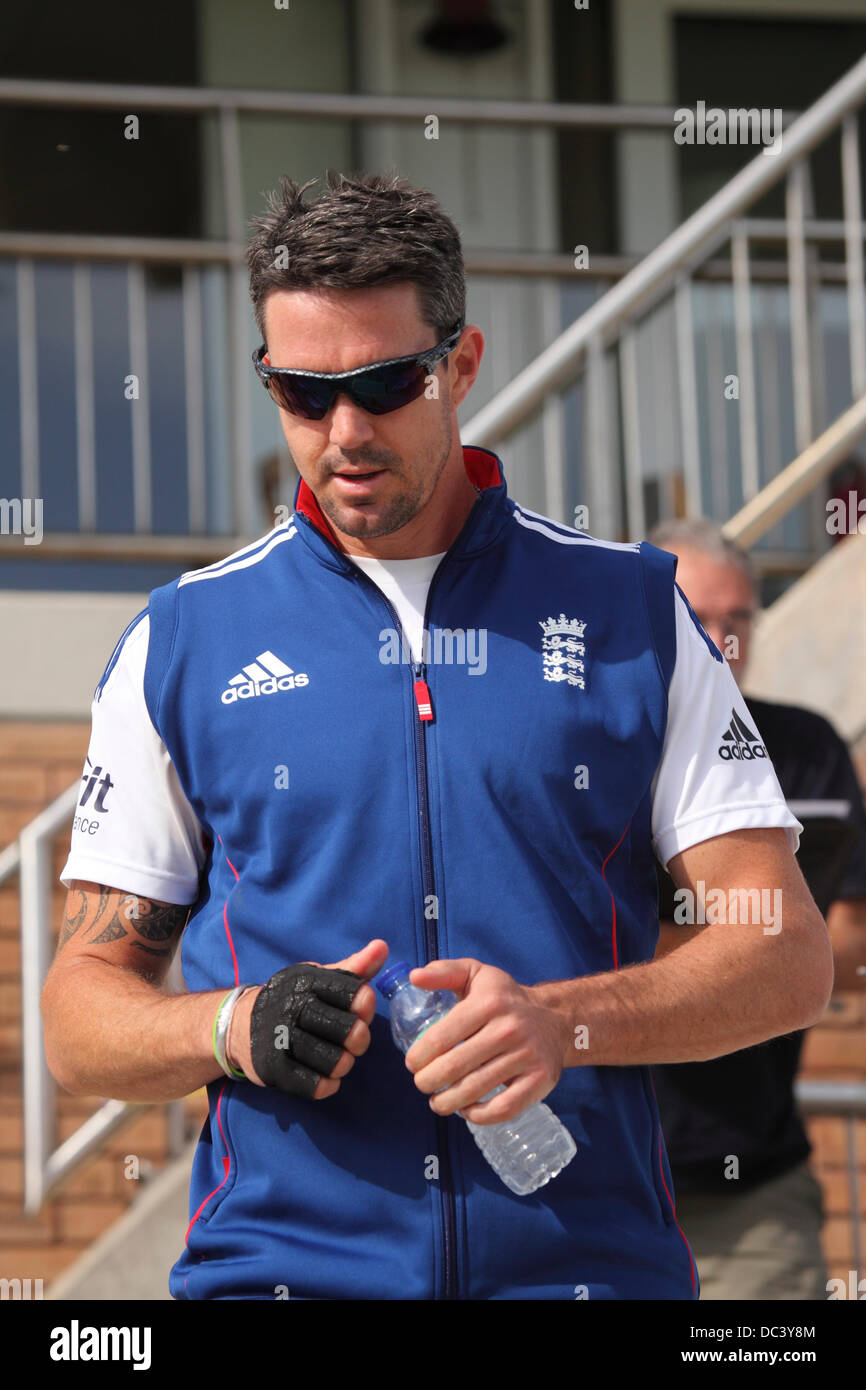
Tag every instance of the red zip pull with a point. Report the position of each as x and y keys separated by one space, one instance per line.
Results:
x=422 y=700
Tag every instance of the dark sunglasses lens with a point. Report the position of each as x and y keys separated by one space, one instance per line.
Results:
x=388 y=388
x=303 y=396
x=378 y=391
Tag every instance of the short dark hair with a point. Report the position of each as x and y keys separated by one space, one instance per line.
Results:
x=362 y=230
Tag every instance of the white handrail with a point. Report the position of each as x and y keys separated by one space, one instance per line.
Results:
x=46 y=1167
x=640 y=288
x=341 y=106
x=797 y=480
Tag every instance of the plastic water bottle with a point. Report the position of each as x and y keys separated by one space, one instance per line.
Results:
x=525 y=1152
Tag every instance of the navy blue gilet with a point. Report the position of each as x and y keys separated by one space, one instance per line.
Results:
x=512 y=826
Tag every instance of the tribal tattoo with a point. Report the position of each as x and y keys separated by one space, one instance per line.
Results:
x=106 y=916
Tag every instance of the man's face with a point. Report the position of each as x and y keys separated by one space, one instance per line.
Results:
x=370 y=474
x=721 y=595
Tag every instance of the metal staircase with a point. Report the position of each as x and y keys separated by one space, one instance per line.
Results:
x=647 y=364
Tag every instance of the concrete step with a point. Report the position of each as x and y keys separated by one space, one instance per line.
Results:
x=809 y=647
x=131 y=1261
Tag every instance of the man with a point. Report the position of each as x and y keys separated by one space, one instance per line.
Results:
x=746 y=1194
x=419 y=717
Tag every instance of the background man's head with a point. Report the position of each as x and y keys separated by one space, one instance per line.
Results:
x=718 y=580
x=369 y=270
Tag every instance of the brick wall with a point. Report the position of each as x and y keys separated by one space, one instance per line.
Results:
x=836 y=1050
x=37 y=762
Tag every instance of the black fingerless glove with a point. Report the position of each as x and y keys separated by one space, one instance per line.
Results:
x=298 y=1025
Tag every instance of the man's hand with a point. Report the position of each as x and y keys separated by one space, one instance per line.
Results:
x=364 y=963
x=506 y=1036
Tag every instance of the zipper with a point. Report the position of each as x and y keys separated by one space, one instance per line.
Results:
x=424 y=716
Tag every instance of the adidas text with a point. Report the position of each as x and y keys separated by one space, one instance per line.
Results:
x=250 y=689
x=739 y=742
x=743 y=752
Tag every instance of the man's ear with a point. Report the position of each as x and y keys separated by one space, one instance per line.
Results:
x=465 y=362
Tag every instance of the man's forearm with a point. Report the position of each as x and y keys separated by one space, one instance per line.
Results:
x=132 y=1042
x=672 y=937
x=713 y=996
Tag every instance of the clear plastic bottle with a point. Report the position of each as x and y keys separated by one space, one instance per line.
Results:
x=525 y=1152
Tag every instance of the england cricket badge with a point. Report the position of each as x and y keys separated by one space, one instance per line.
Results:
x=563 y=650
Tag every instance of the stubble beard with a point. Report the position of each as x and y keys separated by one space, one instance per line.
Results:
x=402 y=508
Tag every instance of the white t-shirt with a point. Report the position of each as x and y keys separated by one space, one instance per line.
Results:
x=405 y=583
x=154 y=846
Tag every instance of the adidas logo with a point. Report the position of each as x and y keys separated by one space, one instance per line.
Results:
x=739 y=743
x=264 y=676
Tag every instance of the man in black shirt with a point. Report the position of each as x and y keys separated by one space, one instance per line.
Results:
x=746 y=1196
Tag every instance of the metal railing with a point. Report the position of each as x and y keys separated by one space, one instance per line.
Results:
x=846 y=1098
x=609 y=330
x=196 y=258
x=602 y=342
x=799 y=478
x=47 y=1166
x=234 y=101
x=227 y=257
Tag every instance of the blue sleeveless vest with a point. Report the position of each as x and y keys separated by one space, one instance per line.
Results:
x=512 y=826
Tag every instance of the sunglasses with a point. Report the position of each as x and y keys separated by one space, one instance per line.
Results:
x=379 y=388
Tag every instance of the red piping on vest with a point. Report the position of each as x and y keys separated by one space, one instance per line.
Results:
x=227 y=1163
x=612 y=898
x=671 y=1200
x=226 y=917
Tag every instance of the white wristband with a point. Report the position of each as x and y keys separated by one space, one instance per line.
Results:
x=221 y=1026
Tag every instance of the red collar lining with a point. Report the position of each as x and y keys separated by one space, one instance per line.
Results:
x=482 y=470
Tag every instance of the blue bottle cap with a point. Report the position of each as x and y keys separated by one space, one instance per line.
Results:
x=389 y=980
